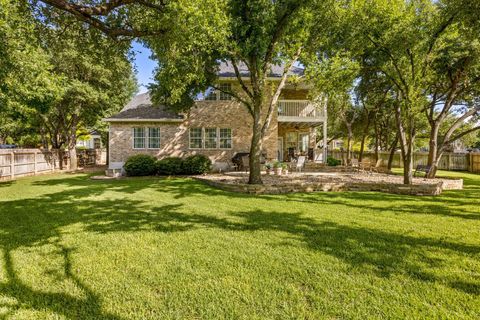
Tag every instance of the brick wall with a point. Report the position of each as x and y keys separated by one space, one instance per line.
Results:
x=174 y=137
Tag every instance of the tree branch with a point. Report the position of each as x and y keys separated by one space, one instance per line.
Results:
x=273 y=101
x=88 y=14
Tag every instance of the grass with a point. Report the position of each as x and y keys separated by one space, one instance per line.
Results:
x=74 y=248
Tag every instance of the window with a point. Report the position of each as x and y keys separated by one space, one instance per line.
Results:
x=153 y=138
x=225 y=87
x=291 y=140
x=303 y=141
x=196 y=138
x=146 y=138
x=97 y=144
x=138 y=138
x=210 y=138
x=225 y=138
x=211 y=94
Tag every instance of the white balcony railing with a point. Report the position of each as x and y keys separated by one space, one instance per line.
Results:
x=300 y=109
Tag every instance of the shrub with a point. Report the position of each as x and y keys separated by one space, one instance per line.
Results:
x=140 y=165
x=169 y=166
x=197 y=164
x=333 y=162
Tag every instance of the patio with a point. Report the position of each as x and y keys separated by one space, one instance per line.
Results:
x=330 y=181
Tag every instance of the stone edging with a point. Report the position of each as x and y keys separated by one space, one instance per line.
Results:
x=431 y=189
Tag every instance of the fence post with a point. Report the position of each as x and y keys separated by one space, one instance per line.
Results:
x=35 y=162
x=470 y=164
x=12 y=165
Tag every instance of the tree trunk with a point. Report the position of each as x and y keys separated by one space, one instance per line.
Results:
x=349 y=143
x=392 y=153
x=72 y=145
x=72 y=151
x=255 y=176
x=406 y=144
x=364 y=136
x=433 y=150
x=408 y=164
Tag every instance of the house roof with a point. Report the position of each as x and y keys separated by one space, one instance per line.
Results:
x=226 y=70
x=142 y=108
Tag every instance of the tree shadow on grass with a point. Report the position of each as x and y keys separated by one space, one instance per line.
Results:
x=36 y=221
x=59 y=303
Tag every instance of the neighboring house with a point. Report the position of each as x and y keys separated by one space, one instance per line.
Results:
x=217 y=126
x=94 y=141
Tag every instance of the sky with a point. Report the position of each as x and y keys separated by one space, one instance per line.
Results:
x=144 y=65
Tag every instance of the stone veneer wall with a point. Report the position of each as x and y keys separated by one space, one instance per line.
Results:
x=174 y=137
x=431 y=189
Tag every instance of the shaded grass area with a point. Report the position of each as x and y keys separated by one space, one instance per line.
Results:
x=73 y=248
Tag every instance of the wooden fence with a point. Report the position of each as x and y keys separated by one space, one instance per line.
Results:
x=24 y=162
x=449 y=161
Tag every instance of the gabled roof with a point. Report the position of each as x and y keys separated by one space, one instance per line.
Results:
x=141 y=108
x=226 y=70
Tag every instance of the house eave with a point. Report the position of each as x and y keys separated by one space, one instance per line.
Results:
x=143 y=120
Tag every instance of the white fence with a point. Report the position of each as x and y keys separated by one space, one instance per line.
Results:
x=449 y=161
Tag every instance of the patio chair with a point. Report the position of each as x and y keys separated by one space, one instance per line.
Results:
x=300 y=165
x=365 y=165
x=377 y=166
x=354 y=166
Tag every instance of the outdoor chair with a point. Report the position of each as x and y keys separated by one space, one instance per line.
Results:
x=300 y=165
x=365 y=165
x=378 y=165
x=422 y=168
x=354 y=164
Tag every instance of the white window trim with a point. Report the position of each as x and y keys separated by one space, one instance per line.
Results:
x=231 y=138
x=190 y=139
x=133 y=138
x=203 y=139
x=146 y=138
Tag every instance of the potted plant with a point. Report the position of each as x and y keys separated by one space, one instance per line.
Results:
x=268 y=168
x=278 y=168
x=285 y=168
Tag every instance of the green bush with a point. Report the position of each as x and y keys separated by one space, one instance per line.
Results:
x=169 y=166
x=197 y=164
x=140 y=165
x=333 y=162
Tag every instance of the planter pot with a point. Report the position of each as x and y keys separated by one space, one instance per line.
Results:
x=278 y=171
x=272 y=172
x=285 y=171
x=268 y=171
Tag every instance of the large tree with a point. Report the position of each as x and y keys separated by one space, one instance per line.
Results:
x=96 y=76
x=27 y=82
x=246 y=34
x=190 y=38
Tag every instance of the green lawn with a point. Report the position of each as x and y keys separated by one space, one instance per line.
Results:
x=73 y=248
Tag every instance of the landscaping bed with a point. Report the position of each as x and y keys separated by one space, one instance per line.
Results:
x=323 y=181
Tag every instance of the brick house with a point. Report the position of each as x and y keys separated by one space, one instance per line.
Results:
x=218 y=126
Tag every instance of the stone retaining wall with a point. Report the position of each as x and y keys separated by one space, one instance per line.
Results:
x=430 y=189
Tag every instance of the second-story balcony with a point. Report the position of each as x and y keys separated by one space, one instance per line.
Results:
x=300 y=111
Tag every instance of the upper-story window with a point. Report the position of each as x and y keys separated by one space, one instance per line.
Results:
x=211 y=95
x=225 y=87
x=220 y=94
